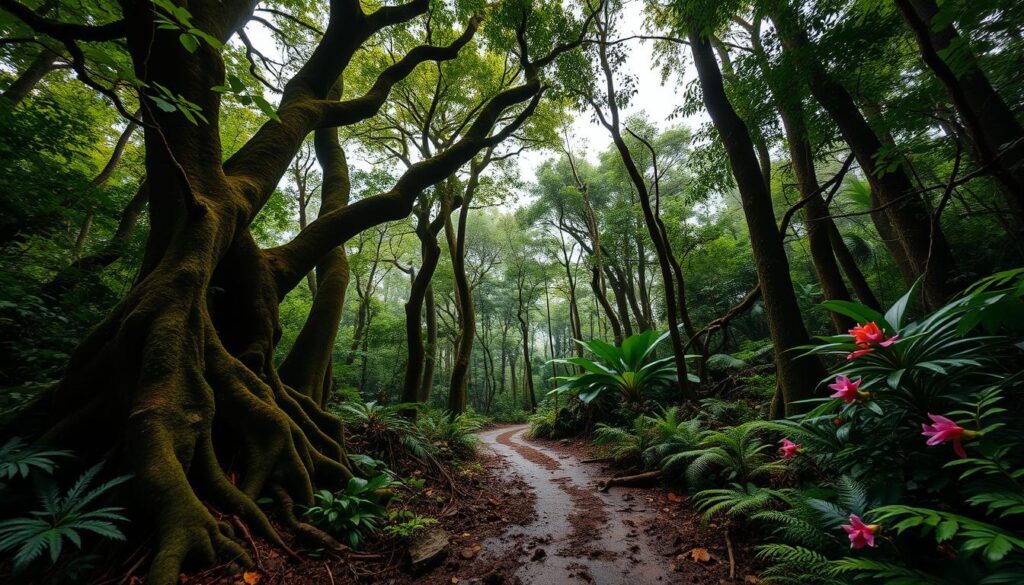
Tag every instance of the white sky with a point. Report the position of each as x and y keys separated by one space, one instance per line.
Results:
x=652 y=97
x=657 y=100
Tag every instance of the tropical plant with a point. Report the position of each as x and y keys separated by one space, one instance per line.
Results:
x=671 y=434
x=921 y=410
x=739 y=500
x=353 y=513
x=453 y=434
x=625 y=444
x=384 y=427
x=405 y=523
x=626 y=369
x=735 y=454
x=18 y=458
x=62 y=518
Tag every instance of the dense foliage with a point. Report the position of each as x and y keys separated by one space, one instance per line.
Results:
x=280 y=261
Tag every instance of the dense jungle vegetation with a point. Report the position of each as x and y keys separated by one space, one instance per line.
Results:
x=268 y=268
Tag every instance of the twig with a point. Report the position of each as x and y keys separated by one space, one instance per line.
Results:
x=329 y=573
x=248 y=536
x=732 y=558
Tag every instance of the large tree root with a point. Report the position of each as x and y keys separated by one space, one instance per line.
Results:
x=205 y=430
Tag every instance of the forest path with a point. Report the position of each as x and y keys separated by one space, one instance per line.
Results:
x=579 y=535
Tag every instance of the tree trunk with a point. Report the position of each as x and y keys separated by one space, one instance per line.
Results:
x=464 y=308
x=686 y=391
x=996 y=137
x=307 y=367
x=849 y=265
x=419 y=370
x=798 y=377
x=928 y=253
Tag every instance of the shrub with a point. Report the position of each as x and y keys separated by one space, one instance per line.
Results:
x=926 y=415
x=453 y=435
x=353 y=513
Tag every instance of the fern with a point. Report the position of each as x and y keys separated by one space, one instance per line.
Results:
x=736 y=452
x=884 y=572
x=17 y=458
x=60 y=518
x=795 y=565
x=739 y=500
x=798 y=525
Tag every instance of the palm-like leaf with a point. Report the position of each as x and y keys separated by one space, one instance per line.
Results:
x=627 y=369
x=60 y=518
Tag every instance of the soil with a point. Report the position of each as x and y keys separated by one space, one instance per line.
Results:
x=528 y=513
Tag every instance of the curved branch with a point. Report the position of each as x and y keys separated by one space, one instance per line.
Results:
x=64 y=31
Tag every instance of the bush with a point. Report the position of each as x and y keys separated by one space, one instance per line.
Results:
x=924 y=420
x=353 y=513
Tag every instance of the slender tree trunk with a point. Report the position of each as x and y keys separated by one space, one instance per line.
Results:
x=995 y=134
x=687 y=393
x=849 y=265
x=928 y=252
x=416 y=384
x=797 y=377
x=463 y=298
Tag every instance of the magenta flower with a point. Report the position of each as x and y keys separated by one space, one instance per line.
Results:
x=860 y=534
x=846 y=389
x=943 y=430
x=789 y=449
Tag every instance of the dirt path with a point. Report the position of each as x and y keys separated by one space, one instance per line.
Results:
x=579 y=535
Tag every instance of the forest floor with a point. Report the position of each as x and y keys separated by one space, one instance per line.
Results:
x=532 y=515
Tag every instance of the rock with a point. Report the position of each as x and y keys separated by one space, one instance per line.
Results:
x=564 y=441
x=427 y=548
x=539 y=554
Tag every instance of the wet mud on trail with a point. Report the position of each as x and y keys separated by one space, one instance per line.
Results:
x=580 y=535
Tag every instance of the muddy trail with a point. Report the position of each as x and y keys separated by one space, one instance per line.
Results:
x=581 y=535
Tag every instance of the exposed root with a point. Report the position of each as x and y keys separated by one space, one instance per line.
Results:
x=303 y=529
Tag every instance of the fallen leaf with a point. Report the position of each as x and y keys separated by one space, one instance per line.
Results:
x=672 y=567
x=666 y=510
x=465 y=534
x=251 y=577
x=493 y=502
x=455 y=580
x=674 y=497
x=751 y=579
x=701 y=555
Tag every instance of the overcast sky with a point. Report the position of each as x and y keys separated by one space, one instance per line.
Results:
x=652 y=97
x=657 y=100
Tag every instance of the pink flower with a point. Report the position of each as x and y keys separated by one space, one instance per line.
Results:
x=942 y=430
x=789 y=449
x=860 y=534
x=848 y=390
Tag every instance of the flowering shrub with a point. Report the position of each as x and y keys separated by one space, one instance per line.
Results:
x=926 y=415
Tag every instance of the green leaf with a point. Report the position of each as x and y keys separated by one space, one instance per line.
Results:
x=189 y=41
